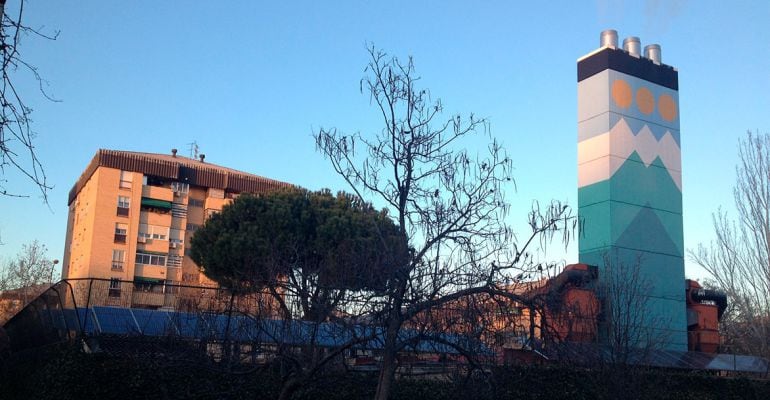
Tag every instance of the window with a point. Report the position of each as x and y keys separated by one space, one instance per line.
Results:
x=154 y=181
x=192 y=227
x=114 y=290
x=195 y=203
x=148 y=285
x=150 y=259
x=121 y=229
x=124 y=202
x=126 y=178
x=153 y=232
x=216 y=193
x=120 y=232
x=118 y=257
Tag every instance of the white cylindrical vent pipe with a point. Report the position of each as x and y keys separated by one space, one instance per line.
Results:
x=633 y=46
x=608 y=38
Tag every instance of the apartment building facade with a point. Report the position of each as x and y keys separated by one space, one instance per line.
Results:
x=132 y=215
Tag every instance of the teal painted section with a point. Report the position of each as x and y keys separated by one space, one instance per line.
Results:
x=673 y=225
x=652 y=266
x=608 y=223
x=595 y=229
x=647 y=233
x=592 y=194
x=661 y=281
x=634 y=183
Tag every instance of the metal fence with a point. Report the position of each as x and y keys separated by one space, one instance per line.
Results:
x=215 y=325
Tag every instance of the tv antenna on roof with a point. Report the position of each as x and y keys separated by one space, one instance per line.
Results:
x=193 y=149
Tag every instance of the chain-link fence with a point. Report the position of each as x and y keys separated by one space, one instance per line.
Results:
x=148 y=318
x=154 y=319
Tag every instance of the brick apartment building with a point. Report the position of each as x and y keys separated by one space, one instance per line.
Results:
x=131 y=217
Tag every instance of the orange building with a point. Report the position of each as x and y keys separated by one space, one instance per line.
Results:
x=131 y=217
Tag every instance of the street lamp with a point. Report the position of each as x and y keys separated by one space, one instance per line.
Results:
x=53 y=266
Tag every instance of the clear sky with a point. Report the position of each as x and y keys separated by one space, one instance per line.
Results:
x=249 y=81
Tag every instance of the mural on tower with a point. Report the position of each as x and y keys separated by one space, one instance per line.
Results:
x=630 y=175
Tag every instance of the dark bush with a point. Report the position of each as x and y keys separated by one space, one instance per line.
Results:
x=63 y=373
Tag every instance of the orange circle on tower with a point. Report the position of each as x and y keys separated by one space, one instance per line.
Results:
x=667 y=107
x=645 y=101
x=621 y=93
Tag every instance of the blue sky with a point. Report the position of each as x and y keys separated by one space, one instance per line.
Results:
x=250 y=81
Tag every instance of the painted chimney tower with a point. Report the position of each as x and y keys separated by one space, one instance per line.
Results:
x=630 y=179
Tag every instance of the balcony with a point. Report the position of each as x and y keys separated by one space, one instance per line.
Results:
x=150 y=292
x=117 y=266
x=147 y=298
x=150 y=271
x=158 y=193
x=155 y=246
x=152 y=299
x=156 y=205
x=120 y=238
x=122 y=212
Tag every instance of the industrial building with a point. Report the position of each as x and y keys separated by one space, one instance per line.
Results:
x=630 y=176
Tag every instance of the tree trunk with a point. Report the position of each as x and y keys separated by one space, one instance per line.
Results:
x=288 y=388
x=387 y=374
x=389 y=361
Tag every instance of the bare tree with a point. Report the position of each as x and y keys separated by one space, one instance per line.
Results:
x=24 y=278
x=17 y=148
x=629 y=328
x=449 y=203
x=739 y=257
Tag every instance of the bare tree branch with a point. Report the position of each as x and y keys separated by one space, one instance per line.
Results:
x=448 y=202
x=739 y=257
x=17 y=148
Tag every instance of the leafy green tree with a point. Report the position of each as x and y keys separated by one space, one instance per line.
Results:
x=320 y=257
x=313 y=246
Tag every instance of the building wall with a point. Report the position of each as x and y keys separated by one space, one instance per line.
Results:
x=93 y=218
x=630 y=185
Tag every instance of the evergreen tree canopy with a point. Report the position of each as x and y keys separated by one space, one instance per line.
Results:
x=301 y=239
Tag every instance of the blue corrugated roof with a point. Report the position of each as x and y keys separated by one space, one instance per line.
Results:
x=242 y=328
